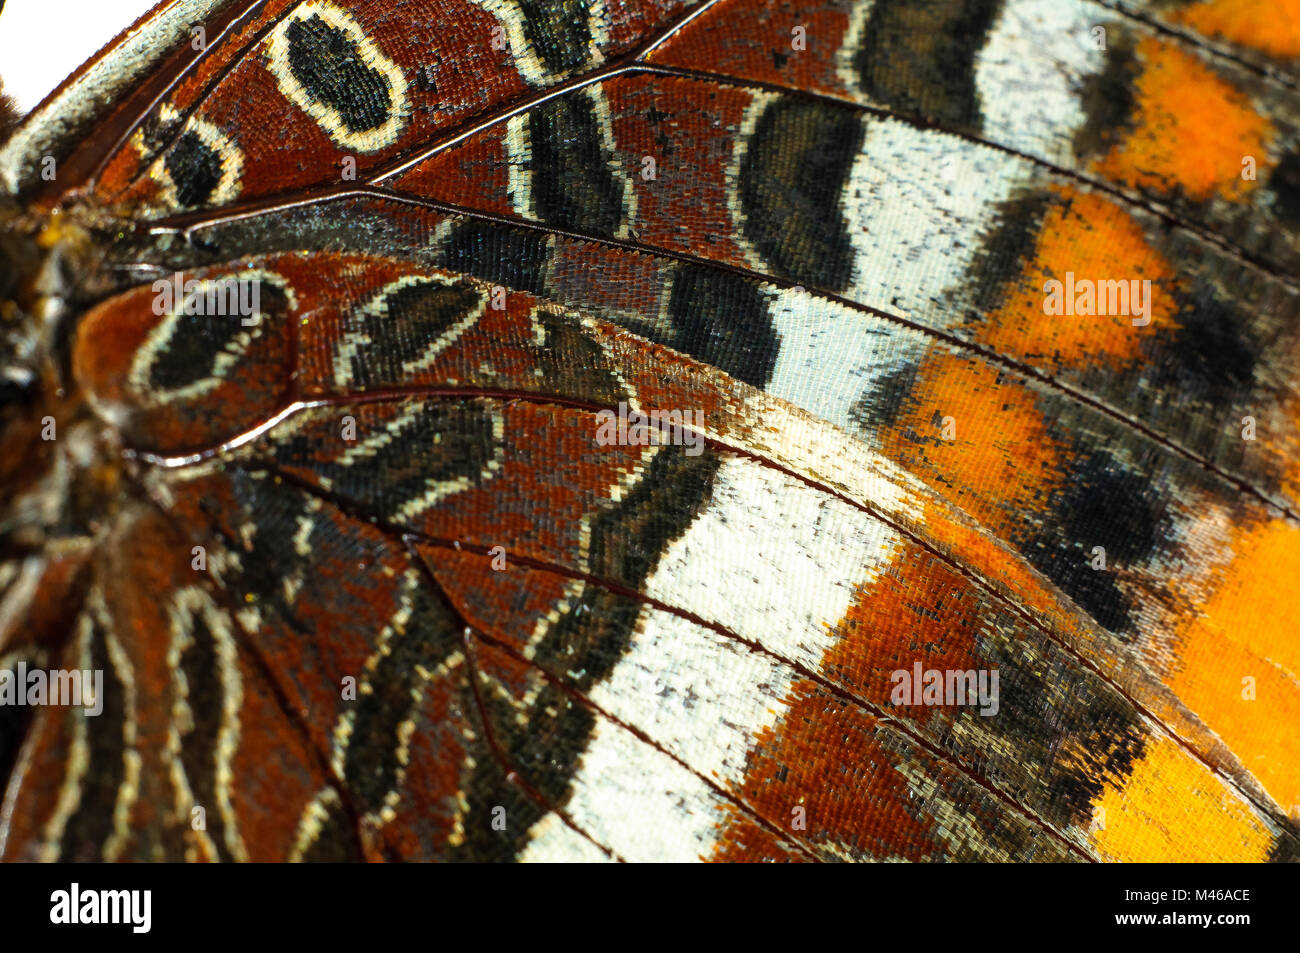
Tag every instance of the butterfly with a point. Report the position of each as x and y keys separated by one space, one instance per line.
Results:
x=641 y=430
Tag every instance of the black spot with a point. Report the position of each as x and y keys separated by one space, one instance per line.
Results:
x=194 y=168
x=192 y=350
x=1101 y=503
x=1209 y=359
x=197 y=341
x=722 y=319
x=408 y=323
x=330 y=68
x=515 y=258
x=792 y=180
x=918 y=56
x=1284 y=183
x=559 y=31
x=574 y=186
x=1107 y=97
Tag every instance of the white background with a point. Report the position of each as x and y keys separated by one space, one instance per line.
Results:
x=43 y=41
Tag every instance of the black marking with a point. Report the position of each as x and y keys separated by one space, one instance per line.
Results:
x=572 y=363
x=406 y=324
x=1093 y=735
x=191 y=353
x=792 y=180
x=722 y=319
x=487 y=788
x=573 y=183
x=1101 y=503
x=1011 y=241
x=92 y=824
x=275 y=513
x=331 y=70
x=195 y=169
x=877 y=409
x=426 y=639
x=1284 y=183
x=584 y=645
x=1107 y=97
x=436 y=441
x=515 y=258
x=918 y=56
x=198 y=341
x=206 y=698
x=559 y=31
x=1210 y=358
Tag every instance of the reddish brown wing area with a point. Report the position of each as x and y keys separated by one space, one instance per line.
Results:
x=397 y=502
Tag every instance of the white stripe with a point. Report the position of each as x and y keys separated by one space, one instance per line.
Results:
x=1031 y=72
x=699 y=695
x=772 y=559
x=830 y=354
x=640 y=803
x=919 y=204
x=551 y=841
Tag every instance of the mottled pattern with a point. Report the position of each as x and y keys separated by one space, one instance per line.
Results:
x=387 y=568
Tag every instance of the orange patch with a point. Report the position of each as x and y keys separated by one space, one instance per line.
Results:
x=823 y=775
x=745 y=841
x=1001 y=461
x=1171 y=807
x=825 y=762
x=1246 y=631
x=1095 y=240
x=1270 y=26
x=1004 y=569
x=1192 y=130
x=921 y=610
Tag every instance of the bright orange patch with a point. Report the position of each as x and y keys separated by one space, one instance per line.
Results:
x=1192 y=130
x=1097 y=241
x=1270 y=26
x=1171 y=807
x=1247 y=629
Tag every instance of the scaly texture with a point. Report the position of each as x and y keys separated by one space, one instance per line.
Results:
x=976 y=321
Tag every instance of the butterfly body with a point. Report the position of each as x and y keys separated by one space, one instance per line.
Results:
x=331 y=308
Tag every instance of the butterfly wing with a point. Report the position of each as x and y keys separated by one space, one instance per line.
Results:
x=486 y=631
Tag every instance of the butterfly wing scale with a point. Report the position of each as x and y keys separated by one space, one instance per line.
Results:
x=472 y=631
